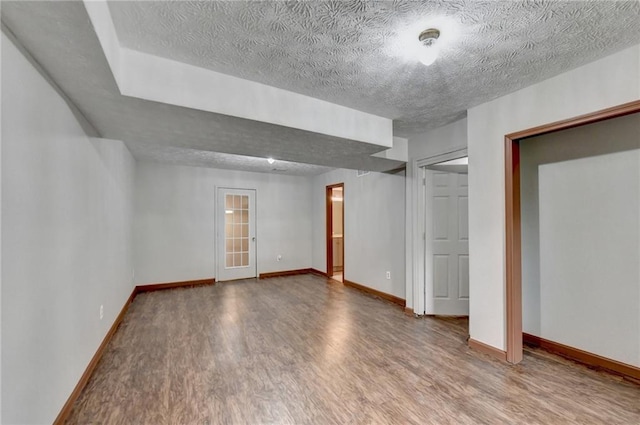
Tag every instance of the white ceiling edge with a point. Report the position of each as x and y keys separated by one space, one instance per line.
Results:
x=457 y=166
x=449 y=168
x=163 y=80
x=458 y=161
x=399 y=151
x=171 y=82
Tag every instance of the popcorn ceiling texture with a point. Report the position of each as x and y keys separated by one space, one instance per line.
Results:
x=200 y=158
x=353 y=52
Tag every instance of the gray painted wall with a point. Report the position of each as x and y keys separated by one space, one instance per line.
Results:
x=580 y=191
x=66 y=243
x=373 y=228
x=175 y=221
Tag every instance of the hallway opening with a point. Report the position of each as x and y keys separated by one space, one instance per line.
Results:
x=335 y=231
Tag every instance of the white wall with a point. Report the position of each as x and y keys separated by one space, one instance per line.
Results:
x=373 y=228
x=605 y=83
x=1 y=43
x=175 y=221
x=445 y=139
x=440 y=140
x=66 y=243
x=589 y=251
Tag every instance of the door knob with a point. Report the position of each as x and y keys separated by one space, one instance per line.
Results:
x=253 y=239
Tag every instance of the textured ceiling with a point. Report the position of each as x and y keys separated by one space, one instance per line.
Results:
x=346 y=52
x=356 y=54
x=200 y=158
x=60 y=37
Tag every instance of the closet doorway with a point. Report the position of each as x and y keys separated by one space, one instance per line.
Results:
x=513 y=225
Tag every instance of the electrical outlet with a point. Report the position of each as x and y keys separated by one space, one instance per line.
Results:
x=101 y=312
x=279 y=257
x=388 y=275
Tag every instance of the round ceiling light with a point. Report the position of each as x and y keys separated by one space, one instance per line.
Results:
x=429 y=53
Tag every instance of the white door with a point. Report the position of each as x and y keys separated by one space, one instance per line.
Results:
x=236 y=229
x=447 y=244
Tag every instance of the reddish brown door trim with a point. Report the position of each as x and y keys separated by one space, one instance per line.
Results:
x=329 y=235
x=513 y=250
x=513 y=246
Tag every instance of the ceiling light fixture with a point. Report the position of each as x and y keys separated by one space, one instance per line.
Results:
x=271 y=160
x=429 y=53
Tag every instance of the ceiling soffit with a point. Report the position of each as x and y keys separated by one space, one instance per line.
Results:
x=60 y=37
x=168 y=81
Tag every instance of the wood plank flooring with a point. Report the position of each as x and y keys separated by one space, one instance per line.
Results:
x=301 y=350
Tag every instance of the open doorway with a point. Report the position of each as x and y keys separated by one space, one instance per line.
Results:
x=446 y=238
x=335 y=231
x=514 y=239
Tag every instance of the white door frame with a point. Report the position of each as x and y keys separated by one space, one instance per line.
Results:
x=419 y=241
x=219 y=217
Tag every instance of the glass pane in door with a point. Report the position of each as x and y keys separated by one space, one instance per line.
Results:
x=236 y=230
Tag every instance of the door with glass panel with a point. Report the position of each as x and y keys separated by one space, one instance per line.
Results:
x=236 y=234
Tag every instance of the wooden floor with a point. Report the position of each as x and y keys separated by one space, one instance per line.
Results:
x=299 y=350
